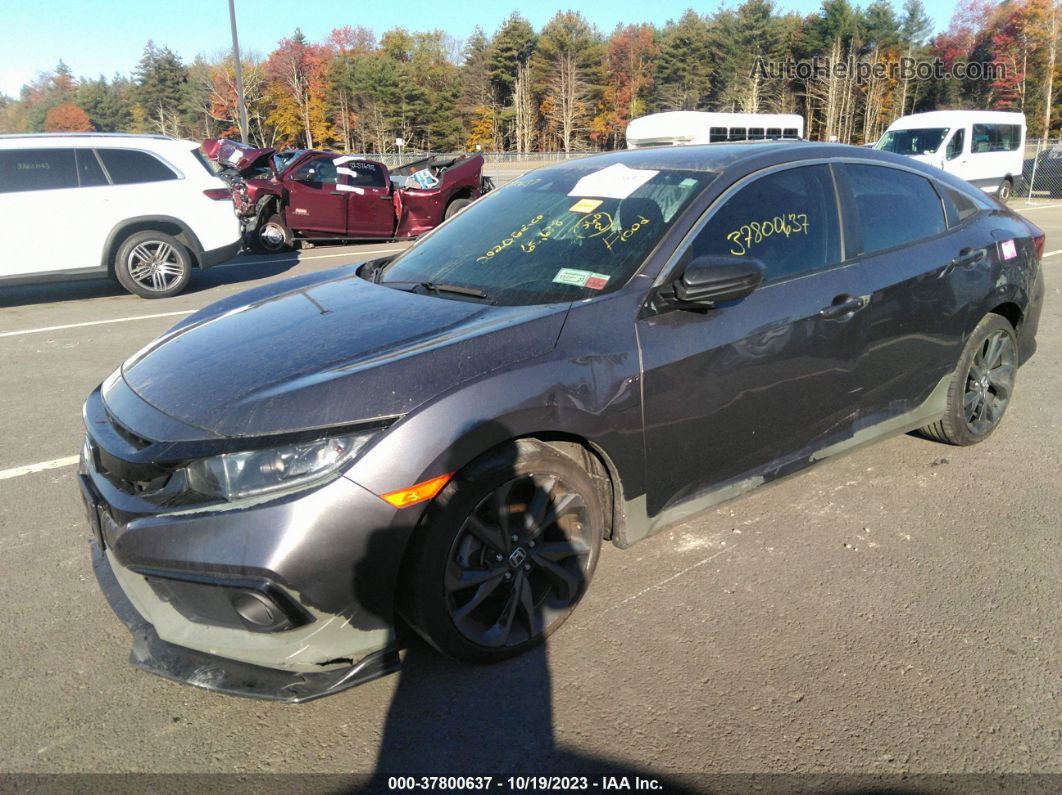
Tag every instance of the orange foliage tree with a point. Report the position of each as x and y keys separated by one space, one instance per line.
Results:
x=67 y=117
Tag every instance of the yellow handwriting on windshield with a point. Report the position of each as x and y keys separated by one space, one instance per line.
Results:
x=512 y=238
x=542 y=235
x=593 y=225
x=748 y=235
x=623 y=235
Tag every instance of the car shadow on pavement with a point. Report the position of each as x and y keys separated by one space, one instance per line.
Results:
x=244 y=268
x=455 y=719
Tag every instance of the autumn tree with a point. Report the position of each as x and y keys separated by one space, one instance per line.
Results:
x=631 y=52
x=67 y=117
x=296 y=70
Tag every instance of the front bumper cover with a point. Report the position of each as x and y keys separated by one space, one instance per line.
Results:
x=210 y=672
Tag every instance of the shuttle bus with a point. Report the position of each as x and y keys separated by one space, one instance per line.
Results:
x=697 y=127
x=984 y=147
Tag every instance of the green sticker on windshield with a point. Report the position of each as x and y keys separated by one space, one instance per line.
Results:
x=578 y=278
x=687 y=183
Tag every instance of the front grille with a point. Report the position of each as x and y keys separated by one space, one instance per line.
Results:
x=132 y=478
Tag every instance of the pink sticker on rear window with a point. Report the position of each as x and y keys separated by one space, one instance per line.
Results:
x=1008 y=249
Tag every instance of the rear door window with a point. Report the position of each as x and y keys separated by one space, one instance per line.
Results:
x=37 y=169
x=89 y=172
x=365 y=174
x=893 y=207
x=787 y=220
x=130 y=167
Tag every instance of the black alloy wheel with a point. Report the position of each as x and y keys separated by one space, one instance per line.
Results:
x=506 y=551
x=519 y=562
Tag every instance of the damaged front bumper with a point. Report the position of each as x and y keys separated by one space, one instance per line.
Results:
x=154 y=655
x=289 y=597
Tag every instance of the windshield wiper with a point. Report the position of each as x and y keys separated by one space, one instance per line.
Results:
x=440 y=289
x=456 y=289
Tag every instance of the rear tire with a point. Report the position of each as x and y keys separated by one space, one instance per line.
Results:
x=981 y=386
x=153 y=265
x=272 y=236
x=504 y=554
x=456 y=206
x=1006 y=188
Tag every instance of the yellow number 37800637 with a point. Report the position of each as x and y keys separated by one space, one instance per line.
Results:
x=748 y=235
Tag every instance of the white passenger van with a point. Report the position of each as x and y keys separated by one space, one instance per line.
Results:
x=984 y=147
x=696 y=127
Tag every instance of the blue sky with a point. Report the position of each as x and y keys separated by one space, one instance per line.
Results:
x=106 y=37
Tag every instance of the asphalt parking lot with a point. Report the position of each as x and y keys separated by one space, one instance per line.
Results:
x=895 y=610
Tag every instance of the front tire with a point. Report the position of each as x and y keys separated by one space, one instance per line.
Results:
x=153 y=265
x=504 y=554
x=981 y=386
x=456 y=206
x=272 y=236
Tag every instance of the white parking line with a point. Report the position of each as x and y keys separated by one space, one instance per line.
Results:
x=187 y=311
x=1036 y=207
x=31 y=468
x=1052 y=253
x=95 y=323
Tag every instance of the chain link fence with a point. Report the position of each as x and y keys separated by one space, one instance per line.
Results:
x=1041 y=176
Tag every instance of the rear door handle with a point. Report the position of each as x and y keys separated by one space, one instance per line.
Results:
x=969 y=256
x=842 y=306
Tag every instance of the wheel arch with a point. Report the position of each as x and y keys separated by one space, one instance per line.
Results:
x=150 y=223
x=1011 y=312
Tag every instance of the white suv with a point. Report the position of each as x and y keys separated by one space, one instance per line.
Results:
x=143 y=209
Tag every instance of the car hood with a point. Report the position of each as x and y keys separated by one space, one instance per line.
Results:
x=313 y=353
x=234 y=154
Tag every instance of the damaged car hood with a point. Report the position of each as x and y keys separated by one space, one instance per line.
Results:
x=234 y=154
x=320 y=353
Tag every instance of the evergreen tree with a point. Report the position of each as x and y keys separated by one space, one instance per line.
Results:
x=684 y=72
x=160 y=79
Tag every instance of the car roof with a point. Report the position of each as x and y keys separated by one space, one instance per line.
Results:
x=732 y=155
x=148 y=141
x=943 y=118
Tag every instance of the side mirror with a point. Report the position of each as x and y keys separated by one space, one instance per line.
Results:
x=717 y=278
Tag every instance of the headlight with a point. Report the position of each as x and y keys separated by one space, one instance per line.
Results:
x=234 y=475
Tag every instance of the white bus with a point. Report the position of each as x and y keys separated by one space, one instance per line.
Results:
x=696 y=127
x=984 y=147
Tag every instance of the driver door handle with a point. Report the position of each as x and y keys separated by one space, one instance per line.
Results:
x=842 y=306
x=969 y=256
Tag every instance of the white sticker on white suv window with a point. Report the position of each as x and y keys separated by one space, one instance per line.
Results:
x=615 y=182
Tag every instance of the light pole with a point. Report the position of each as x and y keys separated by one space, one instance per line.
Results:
x=239 y=72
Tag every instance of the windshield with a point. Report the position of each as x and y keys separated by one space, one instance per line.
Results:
x=281 y=159
x=913 y=142
x=560 y=234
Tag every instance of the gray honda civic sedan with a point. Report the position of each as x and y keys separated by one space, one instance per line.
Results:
x=292 y=478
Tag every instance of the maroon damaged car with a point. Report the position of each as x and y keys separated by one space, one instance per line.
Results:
x=303 y=194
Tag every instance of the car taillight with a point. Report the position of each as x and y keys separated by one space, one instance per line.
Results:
x=1038 y=244
x=218 y=194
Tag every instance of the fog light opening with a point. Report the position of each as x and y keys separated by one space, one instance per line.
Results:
x=257 y=609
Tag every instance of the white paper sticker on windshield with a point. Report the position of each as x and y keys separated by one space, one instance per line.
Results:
x=615 y=182
x=234 y=156
x=578 y=278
